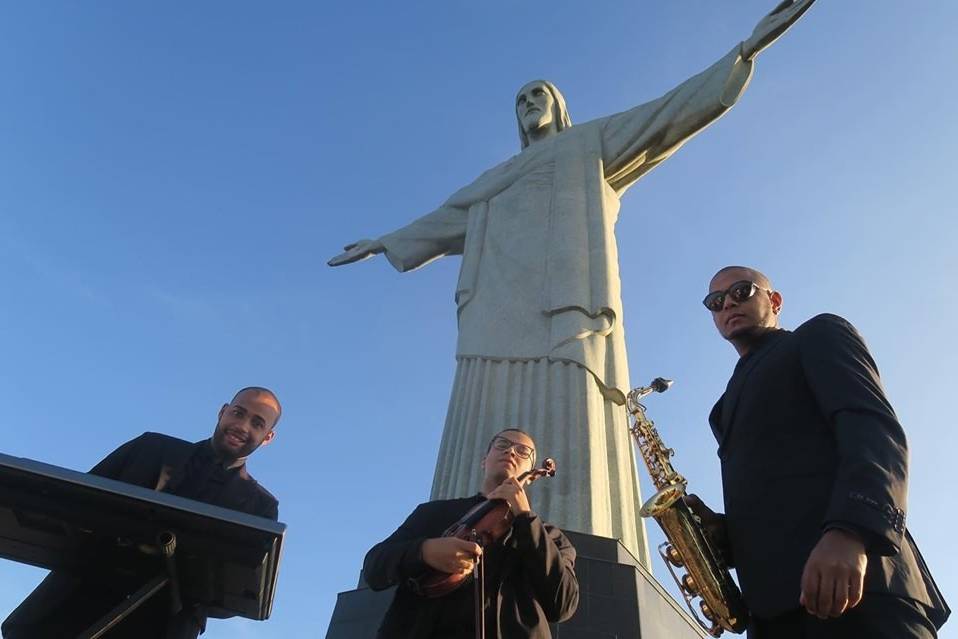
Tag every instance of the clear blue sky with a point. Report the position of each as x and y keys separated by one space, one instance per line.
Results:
x=174 y=176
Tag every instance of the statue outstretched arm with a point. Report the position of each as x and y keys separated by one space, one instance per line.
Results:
x=435 y=235
x=772 y=26
x=636 y=141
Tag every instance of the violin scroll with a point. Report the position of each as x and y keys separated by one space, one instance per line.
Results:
x=546 y=469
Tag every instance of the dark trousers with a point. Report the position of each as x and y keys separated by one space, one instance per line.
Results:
x=876 y=617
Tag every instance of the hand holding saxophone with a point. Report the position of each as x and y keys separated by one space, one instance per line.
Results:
x=713 y=522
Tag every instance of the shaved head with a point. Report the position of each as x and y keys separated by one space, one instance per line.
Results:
x=750 y=274
x=259 y=390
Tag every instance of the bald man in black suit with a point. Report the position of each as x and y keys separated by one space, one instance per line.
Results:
x=814 y=474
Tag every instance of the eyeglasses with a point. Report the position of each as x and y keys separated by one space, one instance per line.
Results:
x=739 y=292
x=501 y=443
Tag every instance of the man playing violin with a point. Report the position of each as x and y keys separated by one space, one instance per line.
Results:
x=529 y=576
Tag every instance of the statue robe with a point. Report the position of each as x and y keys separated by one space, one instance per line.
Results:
x=541 y=344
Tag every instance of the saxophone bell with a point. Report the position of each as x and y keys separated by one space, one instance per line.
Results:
x=662 y=500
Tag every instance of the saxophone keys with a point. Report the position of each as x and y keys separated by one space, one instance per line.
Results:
x=673 y=556
x=689 y=586
x=707 y=612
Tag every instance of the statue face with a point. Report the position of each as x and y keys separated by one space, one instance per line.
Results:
x=535 y=107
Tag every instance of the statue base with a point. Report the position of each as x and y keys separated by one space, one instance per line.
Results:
x=618 y=598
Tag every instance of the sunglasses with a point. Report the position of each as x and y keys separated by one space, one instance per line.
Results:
x=739 y=292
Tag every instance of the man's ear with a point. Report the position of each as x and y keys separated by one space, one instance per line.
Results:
x=219 y=415
x=776 y=299
x=269 y=437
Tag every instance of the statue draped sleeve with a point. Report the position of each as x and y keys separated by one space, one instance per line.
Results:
x=432 y=236
x=636 y=141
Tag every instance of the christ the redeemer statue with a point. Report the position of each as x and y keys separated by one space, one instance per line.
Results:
x=541 y=345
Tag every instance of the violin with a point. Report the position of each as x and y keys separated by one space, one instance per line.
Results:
x=484 y=524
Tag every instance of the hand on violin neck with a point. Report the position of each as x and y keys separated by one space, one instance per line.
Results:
x=450 y=554
x=512 y=492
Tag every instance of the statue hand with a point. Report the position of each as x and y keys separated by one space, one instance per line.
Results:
x=774 y=25
x=357 y=251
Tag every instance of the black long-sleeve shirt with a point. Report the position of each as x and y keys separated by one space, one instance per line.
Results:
x=530 y=579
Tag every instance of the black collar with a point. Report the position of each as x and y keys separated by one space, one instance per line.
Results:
x=206 y=452
x=761 y=343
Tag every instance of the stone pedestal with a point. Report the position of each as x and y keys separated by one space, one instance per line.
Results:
x=618 y=599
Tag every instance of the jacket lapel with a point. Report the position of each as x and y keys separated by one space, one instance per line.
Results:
x=715 y=420
x=173 y=467
x=238 y=491
x=236 y=494
x=728 y=403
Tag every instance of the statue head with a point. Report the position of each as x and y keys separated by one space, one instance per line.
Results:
x=539 y=105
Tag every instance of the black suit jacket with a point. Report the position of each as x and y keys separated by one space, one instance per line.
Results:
x=808 y=440
x=537 y=575
x=153 y=460
x=62 y=603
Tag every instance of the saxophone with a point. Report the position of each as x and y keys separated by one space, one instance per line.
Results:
x=688 y=545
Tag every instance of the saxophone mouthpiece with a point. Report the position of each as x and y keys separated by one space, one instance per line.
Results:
x=660 y=384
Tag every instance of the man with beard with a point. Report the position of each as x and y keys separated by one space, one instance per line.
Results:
x=212 y=471
x=814 y=475
x=529 y=574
